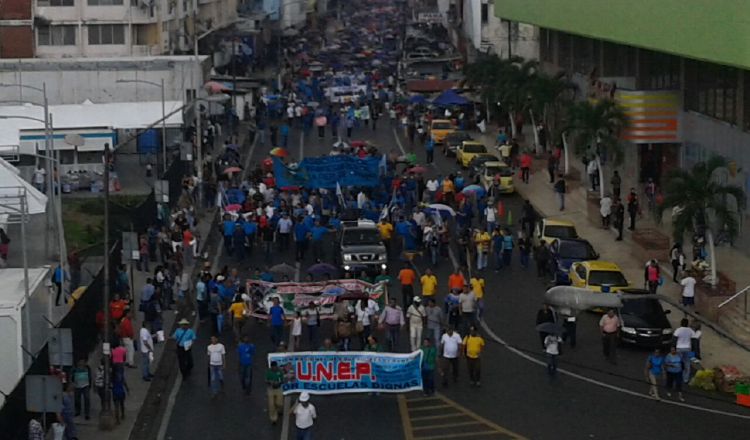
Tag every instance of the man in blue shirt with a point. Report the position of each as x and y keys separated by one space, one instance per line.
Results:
x=184 y=337
x=318 y=232
x=430 y=149
x=251 y=228
x=277 y=322
x=301 y=236
x=245 y=352
x=228 y=226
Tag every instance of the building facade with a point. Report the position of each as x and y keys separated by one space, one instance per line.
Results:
x=682 y=78
x=104 y=28
x=490 y=34
x=16 y=30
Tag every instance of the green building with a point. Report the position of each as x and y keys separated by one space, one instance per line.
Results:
x=680 y=68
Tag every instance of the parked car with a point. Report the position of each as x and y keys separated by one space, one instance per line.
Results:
x=597 y=276
x=439 y=129
x=476 y=164
x=566 y=251
x=453 y=141
x=468 y=150
x=549 y=229
x=497 y=175
x=644 y=320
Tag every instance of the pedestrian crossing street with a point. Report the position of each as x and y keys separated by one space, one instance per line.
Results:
x=438 y=417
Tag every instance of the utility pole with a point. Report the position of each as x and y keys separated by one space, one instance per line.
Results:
x=106 y=422
x=197 y=107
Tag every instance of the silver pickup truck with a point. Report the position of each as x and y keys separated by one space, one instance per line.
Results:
x=362 y=247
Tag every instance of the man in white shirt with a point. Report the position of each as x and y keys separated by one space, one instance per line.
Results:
x=416 y=315
x=688 y=291
x=467 y=301
x=490 y=218
x=683 y=342
x=39 y=176
x=284 y=228
x=216 y=353
x=419 y=218
x=450 y=345
x=432 y=187
x=147 y=348
x=304 y=416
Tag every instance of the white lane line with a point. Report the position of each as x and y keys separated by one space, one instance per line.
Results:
x=398 y=142
x=530 y=358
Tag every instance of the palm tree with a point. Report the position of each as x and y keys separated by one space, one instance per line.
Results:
x=504 y=81
x=596 y=127
x=703 y=201
x=547 y=94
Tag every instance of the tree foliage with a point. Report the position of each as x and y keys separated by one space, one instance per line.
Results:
x=598 y=123
x=702 y=199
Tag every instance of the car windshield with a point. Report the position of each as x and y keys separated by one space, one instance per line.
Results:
x=474 y=149
x=557 y=231
x=441 y=126
x=607 y=277
x=361 y=236
x=578 y=250
x=642 y=307
x=502 y=171
x=458 y=137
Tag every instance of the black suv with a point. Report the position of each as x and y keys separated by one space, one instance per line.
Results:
x=453 y=141
x=644 y=320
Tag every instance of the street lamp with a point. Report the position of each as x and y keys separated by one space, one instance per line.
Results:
x=163 y=117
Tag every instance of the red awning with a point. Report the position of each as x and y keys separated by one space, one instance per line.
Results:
x=429 y=85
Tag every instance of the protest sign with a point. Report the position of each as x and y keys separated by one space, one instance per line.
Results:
x=349 y=372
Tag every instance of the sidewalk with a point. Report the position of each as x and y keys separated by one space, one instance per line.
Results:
x=716 y=350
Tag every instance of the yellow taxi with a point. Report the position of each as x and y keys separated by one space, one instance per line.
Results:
x=468 y=150
x=597 y=276
x=548 y=230
x=497 y=174
x=439 y=129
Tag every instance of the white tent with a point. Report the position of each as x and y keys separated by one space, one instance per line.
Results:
x=10 y=187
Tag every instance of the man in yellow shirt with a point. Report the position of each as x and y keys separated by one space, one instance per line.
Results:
x=449 y=190
x=237 y=313
x=473 y=345
x=482 y=241
x=386 y=233
x=477 y=286
x=429 y=284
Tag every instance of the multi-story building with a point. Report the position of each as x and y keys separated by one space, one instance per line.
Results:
x=680 y=69
x=489 y=34
x=16 y=31
x=96 y=28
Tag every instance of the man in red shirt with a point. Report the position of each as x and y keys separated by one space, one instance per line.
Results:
x=525 y=166
x=456 y=281
x=407 y=276
x=126 y=333
x=117 y=308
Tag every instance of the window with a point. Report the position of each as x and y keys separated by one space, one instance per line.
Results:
x=140 y=35
x=619 y=60
x=55 y=2
x=711 y=89
x=56 y=36
x=107 y=34
x=658 y=71
x=485 y=13
x=583 y=55
x=746 y=99
x=105 y=2
x=546 y=48
x=564 y=51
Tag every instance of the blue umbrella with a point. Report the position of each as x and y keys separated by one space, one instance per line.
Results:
x=417 y=99
x=476 y=189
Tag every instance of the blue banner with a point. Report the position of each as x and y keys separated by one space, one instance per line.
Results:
x=320 y=372
x=325 y=172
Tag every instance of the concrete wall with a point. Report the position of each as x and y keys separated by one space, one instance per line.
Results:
x=73 y=81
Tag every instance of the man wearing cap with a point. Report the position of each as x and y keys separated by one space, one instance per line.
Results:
x=304 y=416
x=416 y=315
x=184 y=336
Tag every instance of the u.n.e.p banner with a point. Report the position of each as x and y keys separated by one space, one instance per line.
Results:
x=337 y=372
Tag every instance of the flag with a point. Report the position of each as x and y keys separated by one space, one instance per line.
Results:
x=510 y=217
x=500 y=209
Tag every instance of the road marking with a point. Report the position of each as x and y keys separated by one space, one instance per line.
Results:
x=446 y=425
x=530 y=358
x=468 y=419
x=398 y=142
